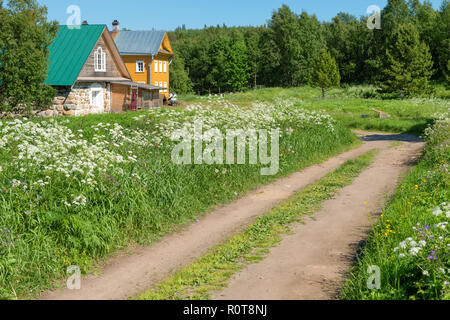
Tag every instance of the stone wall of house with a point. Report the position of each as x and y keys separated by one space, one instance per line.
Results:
x=77 y=101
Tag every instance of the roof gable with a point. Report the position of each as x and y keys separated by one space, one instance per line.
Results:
x=139 y=42
x=115 y=67
x=69 y=52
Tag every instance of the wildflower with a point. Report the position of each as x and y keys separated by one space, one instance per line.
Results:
x=437 y=211
x=426 y=273
x=414 y=251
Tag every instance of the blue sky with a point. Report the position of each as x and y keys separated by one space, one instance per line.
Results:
x=167 y=15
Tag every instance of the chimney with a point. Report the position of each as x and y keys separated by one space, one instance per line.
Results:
x=115 y=25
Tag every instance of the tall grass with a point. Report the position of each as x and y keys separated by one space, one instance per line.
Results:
x=351 y=105
x=212 y=271
x=410 y=245
x=75 y=190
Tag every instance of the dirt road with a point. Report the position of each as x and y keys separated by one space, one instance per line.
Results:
x=311 y=264
x=128 y=276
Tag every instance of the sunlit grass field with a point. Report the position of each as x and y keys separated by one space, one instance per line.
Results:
x=73 y=190
x=410 y=244
x=352 y=106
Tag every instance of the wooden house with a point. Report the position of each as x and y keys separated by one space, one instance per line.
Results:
x=147 y=56
x=90 y=76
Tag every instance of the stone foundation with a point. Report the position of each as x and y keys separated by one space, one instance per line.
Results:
x=77 y=102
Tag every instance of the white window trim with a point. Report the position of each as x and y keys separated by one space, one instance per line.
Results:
x=100 y=64
x=160 y=67
x=156 y=66
x=161 y=84
x=165 y=66
x=137 y=66
x=96 y=88
x=165 y=86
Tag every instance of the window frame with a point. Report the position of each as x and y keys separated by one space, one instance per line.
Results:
x=98 y=89
x=137 y=66
x=100 y=60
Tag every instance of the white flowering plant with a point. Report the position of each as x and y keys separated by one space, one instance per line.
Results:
x=74 y=189
x=410 y=244
x=429 y=251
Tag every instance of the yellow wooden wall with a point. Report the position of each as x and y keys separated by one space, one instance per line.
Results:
x=130 y=62
x=161 y=76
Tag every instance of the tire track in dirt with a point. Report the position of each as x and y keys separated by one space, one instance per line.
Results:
x=130 y=275
x=312 y=262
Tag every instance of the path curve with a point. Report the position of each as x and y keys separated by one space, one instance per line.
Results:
x=128 y=276
x=312 y=263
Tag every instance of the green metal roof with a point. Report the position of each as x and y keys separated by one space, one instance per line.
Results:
x=69 y=52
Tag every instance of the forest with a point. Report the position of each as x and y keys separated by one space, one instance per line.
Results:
x=412 y=43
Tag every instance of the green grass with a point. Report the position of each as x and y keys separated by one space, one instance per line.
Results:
x=132 y=203
x=421 y=276
x=352 y=106
x=211 y=272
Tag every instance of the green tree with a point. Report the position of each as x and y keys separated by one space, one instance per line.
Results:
x=409 y=63
x=447 y=74
x=218 y=53
x=236 y=67
x=311 y=41
x=349 y=43
x=443 y=39
x=325 y=72
x=179 y=76
x=285 y=32
x=298 y=39
x=25 y=37
x=253 y=38
x=425 y=18
x=270 y=59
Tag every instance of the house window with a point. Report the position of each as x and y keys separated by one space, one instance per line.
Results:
x=156 y=66
x=165 y=67
x=140 y=66
x=156 y=83
x=96 y=96
x=160 y=84
x=160 y=67
x=165 y=86
x=100 y=60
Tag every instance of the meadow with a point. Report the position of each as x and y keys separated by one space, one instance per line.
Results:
x=351 y=105
x=73 y=191
x=76 y=190
x=410 y=244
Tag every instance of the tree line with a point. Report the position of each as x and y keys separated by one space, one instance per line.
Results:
x=411 y=48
